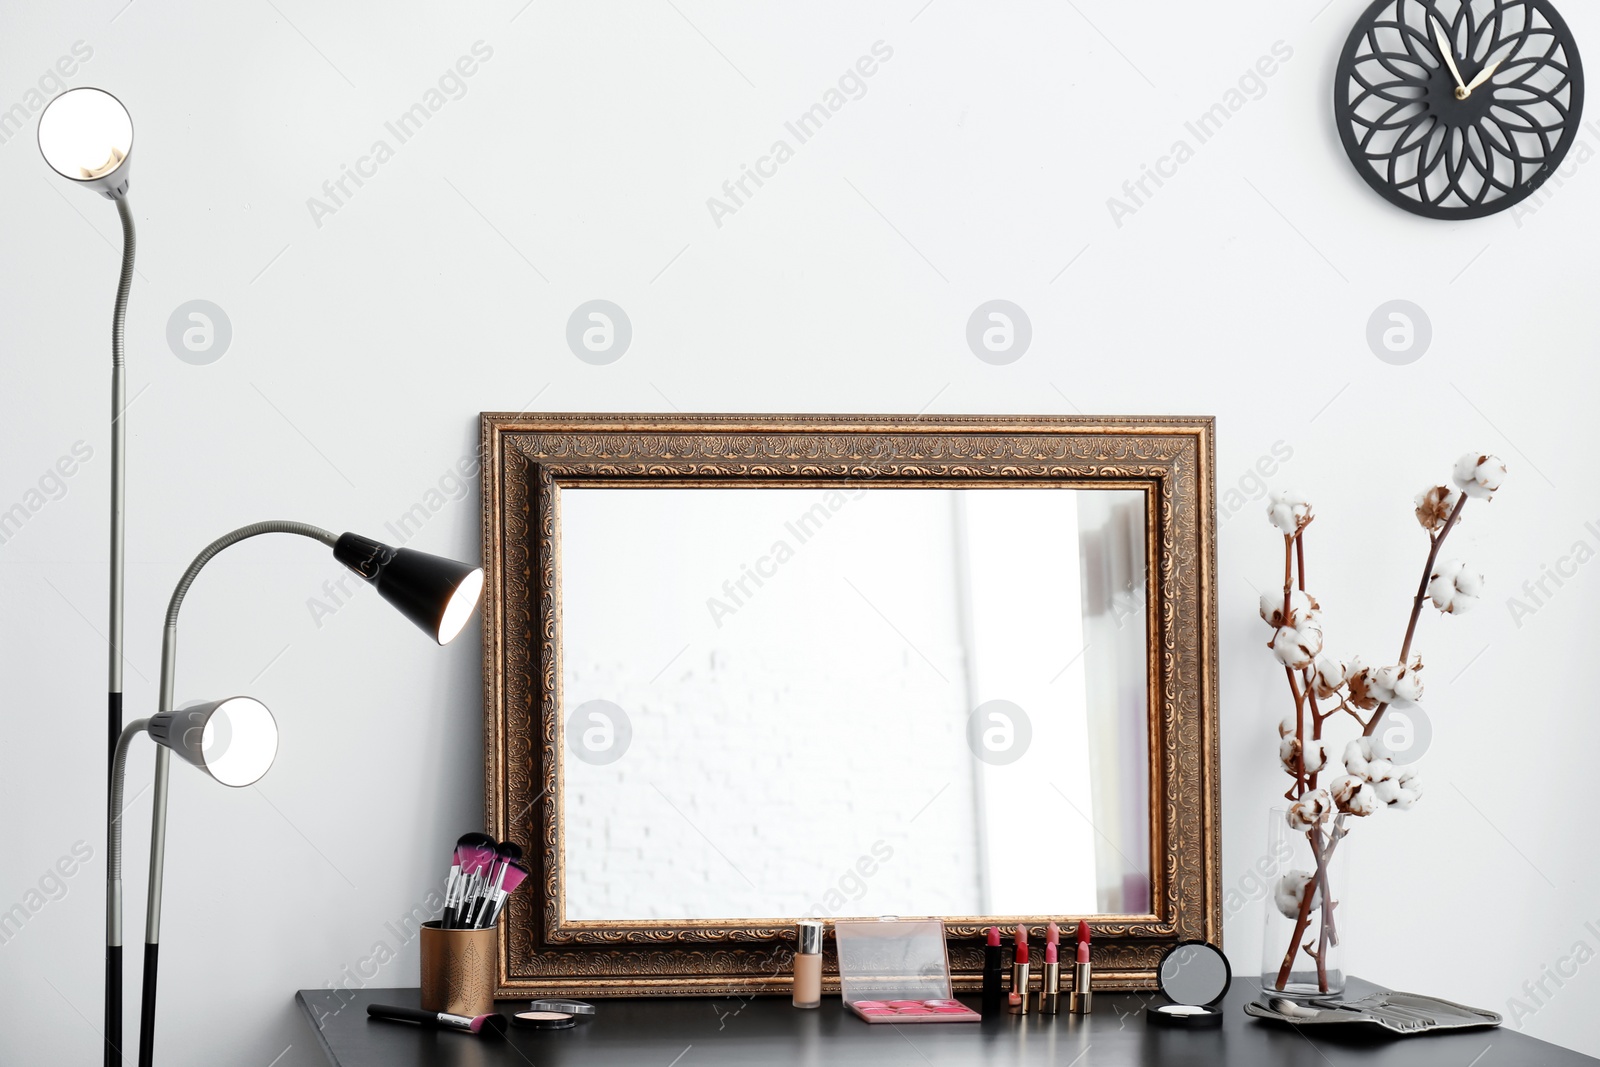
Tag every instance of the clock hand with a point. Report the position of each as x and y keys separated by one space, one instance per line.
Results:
x=1449 y=56
x=1483 y=75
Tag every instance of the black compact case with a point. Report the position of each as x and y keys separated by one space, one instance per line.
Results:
x=1193 y=976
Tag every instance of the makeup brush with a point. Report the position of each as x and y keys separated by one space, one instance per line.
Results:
x=504 y=854
x=476 y=854
x=453 y=885
x=479 y=856
x=492 y=1023
x=515 y=874
x=482 y=859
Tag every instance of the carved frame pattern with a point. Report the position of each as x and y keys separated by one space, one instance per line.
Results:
x=528 y=458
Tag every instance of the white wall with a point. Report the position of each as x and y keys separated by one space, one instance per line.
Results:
x=577 y=166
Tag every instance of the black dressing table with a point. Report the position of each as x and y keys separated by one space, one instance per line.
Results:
x=730 y=1032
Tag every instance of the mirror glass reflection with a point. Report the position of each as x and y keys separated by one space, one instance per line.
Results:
x=1194 y=974
x=854 y=702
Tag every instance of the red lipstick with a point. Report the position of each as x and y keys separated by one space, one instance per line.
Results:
x=1082 y=974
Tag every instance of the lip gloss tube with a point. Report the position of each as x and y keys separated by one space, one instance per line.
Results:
x=1019 y=974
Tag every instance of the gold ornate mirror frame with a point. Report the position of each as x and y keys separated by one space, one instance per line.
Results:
x=529 y=458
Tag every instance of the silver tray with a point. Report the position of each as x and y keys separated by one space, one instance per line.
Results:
x=1400 y=1013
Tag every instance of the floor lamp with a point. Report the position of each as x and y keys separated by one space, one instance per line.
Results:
x=86 y=136
x=234 y=740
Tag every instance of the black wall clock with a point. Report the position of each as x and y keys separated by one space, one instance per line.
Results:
x=1456 y=109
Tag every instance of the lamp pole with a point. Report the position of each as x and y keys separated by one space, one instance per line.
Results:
x=158 y=813
x=86 y=136
x=434 y=593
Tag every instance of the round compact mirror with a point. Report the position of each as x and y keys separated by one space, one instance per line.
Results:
x=1194 y=976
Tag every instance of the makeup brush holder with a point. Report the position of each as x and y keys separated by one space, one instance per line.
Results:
x=458 y=970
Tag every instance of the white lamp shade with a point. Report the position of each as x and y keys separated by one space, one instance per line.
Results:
x=87 y=135
x=459 y=608
x=233 y=740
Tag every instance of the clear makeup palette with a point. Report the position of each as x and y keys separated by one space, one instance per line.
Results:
x=894 y=971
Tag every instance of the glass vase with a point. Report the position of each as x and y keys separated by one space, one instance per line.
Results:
x=1304 y=932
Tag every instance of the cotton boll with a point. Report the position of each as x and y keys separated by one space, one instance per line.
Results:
x=1354 y=796
x=1310 y=810
x=1407 y=790
x=1454 y=587
x=1379 y=771
x=1296 y=649
x=1287 y=726
x=1359 y=677
x=1479 y=475
x=1359 y=753
x=1291 y=751
x=1407 y=687
x=1399 y=685
x=1355 y=760
x=1434 y=506
x=1329 y=677
x=1364 y=803
x=1291 y=892
x=1303 y=607
x=1289 y=755
x=1288 y=511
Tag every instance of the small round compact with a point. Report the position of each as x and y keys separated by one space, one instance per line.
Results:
x=1194 y=976
x=543 y=1020
x=571 y=1007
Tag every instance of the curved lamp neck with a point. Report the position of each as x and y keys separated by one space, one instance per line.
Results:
x=169 y=637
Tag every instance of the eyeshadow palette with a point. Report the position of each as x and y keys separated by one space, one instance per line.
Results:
x=897 y=971
x=913 y=1011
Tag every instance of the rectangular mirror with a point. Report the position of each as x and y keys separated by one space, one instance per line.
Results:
x=745 y=669
x=851 y=702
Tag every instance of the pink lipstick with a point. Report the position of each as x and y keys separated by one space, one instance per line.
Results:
x=1050 y=980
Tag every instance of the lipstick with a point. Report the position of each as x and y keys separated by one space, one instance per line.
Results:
x=1082 y=974
x=1019 y=973
x=993 y=975
x=1050 y=981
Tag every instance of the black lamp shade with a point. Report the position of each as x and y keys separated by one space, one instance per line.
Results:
x=435 y=593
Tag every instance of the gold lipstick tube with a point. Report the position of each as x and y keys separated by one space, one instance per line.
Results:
x=1050 y=989
x=1082 y=994
x=1019 y=989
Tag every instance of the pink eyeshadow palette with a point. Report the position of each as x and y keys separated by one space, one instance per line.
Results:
x=897 y=971
x=913 y=1011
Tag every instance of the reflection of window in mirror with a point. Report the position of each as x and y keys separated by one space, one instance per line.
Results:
x=799 y=671
x=1111 y=550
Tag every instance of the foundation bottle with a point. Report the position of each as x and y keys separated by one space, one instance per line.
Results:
x=808 y=964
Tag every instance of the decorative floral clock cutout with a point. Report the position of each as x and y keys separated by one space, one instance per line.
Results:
x=1456 y=109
